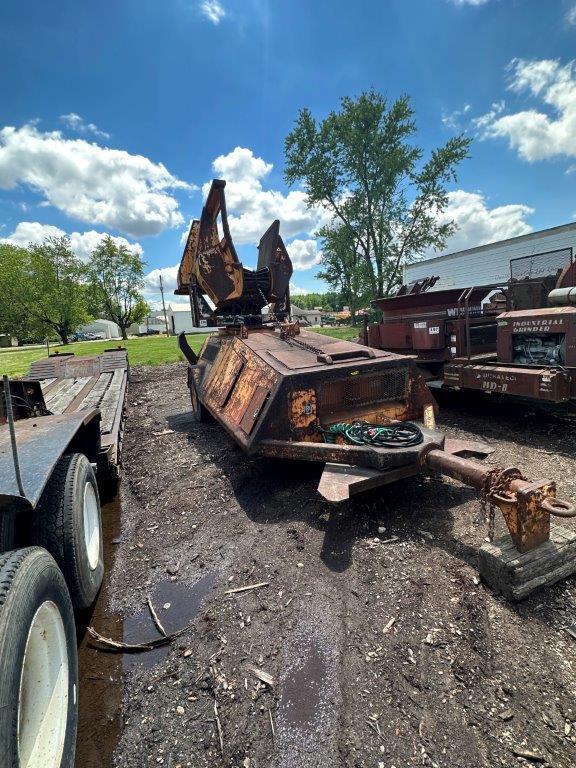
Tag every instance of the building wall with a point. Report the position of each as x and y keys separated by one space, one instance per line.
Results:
x=105 y=327
x=490 y=263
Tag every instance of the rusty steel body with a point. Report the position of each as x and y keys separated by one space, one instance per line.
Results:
x=462 y=339
x=277 y=390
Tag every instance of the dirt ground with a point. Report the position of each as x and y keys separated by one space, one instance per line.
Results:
x=384 y=648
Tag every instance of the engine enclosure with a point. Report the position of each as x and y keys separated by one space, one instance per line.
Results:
x=261 y=385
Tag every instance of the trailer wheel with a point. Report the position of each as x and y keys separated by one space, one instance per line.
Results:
x=68 y=524
x=38 y=663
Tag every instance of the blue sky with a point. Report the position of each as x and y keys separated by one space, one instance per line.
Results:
x=114 y=115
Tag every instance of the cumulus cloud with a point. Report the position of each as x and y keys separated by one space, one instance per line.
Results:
x=304 y=253
x=478 y=224
x=106 y=187
x=213 y=11
x=82 y=243
x=169 y=275
x=76 y=123
x=571 y=16
x=296 y=290
x=534 y=134
x=252 y=208
x=470 y=2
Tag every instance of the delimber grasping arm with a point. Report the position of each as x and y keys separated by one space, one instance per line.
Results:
x=526 y=505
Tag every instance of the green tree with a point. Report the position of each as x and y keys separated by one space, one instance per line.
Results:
x=360 y=165
x=14 y=317
x=116 y=276
x=344 y=268
x=45 y=293
x=329 y=301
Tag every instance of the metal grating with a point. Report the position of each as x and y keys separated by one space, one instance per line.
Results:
x=355 y=392
x=540 y=264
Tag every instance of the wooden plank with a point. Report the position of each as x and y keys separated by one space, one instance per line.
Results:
x=111 y=399
x=94 y=397
x=68 y=394
x=60 y=385
x=114 y=437
x=74 y=405
x=518 y=577
x=45 y=385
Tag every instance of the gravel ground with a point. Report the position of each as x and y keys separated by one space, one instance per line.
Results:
x=384 y=648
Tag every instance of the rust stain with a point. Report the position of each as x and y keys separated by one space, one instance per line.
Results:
x=302 y=408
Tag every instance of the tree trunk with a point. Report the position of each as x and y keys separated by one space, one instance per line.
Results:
x=63 y=337
x=124 y=334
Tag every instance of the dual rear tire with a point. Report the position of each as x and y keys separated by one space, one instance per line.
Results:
x=40 y=588
x=38 y=663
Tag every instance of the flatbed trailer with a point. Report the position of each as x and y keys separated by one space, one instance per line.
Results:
x=60 y=442
x=71 y=384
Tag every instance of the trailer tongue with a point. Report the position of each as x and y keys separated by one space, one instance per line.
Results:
x=281 y=392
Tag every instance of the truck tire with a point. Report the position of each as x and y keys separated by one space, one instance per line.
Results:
x=68 y=524
x=38 y=663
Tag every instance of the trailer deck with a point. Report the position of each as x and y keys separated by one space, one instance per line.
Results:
x=71 y=384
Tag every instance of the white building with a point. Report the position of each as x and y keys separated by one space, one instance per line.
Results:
x=104 y=328
x=487 y=264
x=313 y=316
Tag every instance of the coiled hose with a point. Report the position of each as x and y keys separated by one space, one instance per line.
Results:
x=402 y=435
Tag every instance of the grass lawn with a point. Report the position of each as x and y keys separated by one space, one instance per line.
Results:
x=348 y=332
x=148 y=350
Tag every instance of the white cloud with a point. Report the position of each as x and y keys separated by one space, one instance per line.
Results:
x=212 y=10
x=82 y=243
x=470 y=2
x=453 y=119
x=304 y=253
x=296 y=290
x=106 y=187
x=478 y=224
x=76 y=123
x=538 y=135
x=571 y=16
x=169 y=275
x=252 y=209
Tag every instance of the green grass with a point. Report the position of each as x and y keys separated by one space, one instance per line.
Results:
x=148 y=350
x=348 y=332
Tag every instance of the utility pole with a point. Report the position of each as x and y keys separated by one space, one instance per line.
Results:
x=164 y=305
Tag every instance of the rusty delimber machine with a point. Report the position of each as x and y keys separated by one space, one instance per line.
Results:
x=365 y=413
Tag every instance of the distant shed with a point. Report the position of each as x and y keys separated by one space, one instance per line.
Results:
x=490 y=263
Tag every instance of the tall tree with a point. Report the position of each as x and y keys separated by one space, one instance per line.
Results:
x=343 y=266
x=45 y=290
x=116 y=277
x=360 y=164
x=15 y=319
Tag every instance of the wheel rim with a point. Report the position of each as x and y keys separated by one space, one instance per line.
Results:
x=91 y=526
x=43 y=696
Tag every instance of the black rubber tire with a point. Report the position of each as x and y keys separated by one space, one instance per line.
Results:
x=59 y=527
x=28 y=578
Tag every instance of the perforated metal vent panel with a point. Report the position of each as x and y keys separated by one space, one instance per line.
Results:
x=356 y=391
x=540 y=264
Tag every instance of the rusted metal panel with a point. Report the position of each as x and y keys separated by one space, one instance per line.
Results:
x=244 y=389
x=357 y=455
x=302 y=408
x=222 y=383
x=254 y=408
x=551 y=384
